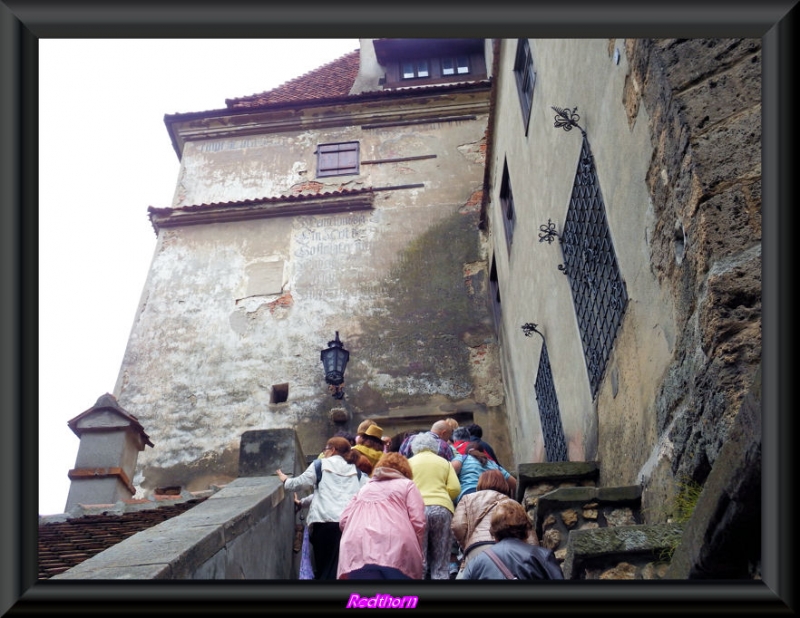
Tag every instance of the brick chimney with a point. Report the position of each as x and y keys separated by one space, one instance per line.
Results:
x=111 y=439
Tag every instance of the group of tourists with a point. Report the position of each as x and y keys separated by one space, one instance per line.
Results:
x=432 y=504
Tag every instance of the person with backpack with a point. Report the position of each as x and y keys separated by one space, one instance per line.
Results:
x=339 y=480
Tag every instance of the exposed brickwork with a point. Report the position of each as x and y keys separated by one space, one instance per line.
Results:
x=310 y=186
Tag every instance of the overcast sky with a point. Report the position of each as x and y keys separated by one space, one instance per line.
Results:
x=104 y=157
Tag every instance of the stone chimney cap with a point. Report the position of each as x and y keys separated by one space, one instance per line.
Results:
x=108 y=402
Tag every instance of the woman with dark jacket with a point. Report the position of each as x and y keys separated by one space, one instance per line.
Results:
x=510 y=527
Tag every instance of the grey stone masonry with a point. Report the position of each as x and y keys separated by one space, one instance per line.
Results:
x=594 y=532
x=559 y=512
x=626 y=552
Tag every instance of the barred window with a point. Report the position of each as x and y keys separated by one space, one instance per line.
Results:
x=555 y=444
x=590 y=263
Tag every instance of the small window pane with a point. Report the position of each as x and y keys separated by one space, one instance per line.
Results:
x=408 y=70
x=463 y=65
x=422 y=70
x=448 y=66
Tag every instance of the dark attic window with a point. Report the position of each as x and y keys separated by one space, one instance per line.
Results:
x=426 y=62
x=337 y=159
x=280 y=393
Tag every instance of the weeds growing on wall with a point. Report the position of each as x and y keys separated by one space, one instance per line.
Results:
x=683 y=507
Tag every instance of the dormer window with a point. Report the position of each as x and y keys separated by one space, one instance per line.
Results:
x=435 y=68
x=428 y=62
x=415 y=69
x=455 y=66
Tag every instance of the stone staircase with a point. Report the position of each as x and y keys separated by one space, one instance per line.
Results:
x=594 y=532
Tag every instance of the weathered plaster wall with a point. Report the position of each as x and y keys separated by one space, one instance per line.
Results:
x=580 y=74
x=232 y=309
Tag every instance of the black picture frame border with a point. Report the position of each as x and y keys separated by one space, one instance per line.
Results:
x=23 y=23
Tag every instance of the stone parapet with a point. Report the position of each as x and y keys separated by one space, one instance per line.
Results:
x=243 y=531
x=238 y=533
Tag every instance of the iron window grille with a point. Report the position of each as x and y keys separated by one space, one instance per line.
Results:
x=507 y=206
x=590 y=263
x=555 y=444
x=337 y=159
x=525 y=77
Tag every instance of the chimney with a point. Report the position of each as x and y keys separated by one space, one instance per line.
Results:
x=111 y=439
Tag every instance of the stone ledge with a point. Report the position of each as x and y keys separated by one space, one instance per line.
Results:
x=604 y=548
x=579 y=472
x=176 y=548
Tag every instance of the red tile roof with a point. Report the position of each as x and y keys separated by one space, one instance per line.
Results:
x=65 y=544
x=330 y=80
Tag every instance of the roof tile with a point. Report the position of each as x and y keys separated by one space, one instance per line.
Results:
x=65 y=544
x=334 y=79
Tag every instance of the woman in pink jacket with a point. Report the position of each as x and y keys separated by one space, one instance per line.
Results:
x=382 y=525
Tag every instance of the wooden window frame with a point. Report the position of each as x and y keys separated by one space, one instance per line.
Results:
x=415 y=62
x=338 y=159
x=456 y=65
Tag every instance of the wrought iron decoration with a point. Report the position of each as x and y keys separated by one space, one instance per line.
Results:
x=567 y=118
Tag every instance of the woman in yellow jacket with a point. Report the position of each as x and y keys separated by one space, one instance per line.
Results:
x=439 y=485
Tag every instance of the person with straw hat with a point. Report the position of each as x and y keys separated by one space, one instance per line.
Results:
x=371 y=443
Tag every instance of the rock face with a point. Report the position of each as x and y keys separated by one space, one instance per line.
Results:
x=703 y=98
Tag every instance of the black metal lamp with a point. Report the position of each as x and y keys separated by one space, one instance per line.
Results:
x=334 y=361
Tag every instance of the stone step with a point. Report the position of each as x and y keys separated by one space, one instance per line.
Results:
x=594 y=532
x=558 y=513
x=624 y=552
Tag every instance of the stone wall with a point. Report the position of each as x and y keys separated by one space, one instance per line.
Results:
x=243 y=531
x=703 y=99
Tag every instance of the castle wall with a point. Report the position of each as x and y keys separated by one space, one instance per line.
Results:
x=674 y=130
x=244 y=298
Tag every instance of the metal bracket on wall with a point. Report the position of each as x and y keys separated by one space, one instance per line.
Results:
x=548 y=233
x=529 y=328
x=566 y=118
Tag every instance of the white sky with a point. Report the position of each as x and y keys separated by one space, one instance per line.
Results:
x=104 y=157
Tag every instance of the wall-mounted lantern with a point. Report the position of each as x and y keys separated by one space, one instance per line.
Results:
x=334 y=362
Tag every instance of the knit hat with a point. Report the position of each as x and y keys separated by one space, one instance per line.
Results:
x=374 y=431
